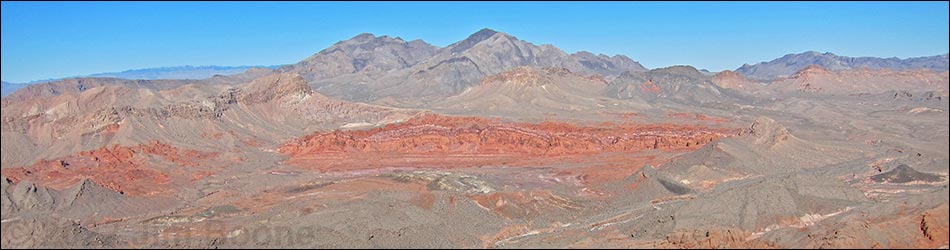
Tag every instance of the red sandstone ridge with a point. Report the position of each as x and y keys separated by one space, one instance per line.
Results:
x=435 y=135
x=124 y=169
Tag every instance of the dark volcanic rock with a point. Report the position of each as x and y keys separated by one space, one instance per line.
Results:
x=905 y=174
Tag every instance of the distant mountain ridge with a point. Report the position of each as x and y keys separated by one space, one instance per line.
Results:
x=179 y=72
x=8 y=88
x=187 y=72
x=791 y=63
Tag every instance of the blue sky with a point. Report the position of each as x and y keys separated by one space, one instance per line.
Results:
x=42 y=40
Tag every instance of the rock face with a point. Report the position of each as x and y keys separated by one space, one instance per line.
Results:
x=789 y=64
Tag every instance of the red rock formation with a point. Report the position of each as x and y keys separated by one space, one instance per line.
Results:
x=435 y=135
x=123 y=169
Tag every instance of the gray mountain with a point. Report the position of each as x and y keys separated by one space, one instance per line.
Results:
x=343 y=69
x=369 y=68
x=791 y=63
x=487 y=52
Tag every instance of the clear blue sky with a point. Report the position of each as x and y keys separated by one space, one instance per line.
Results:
x=43 y=40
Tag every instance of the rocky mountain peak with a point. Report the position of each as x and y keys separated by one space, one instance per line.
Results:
x=363 y=37
x=472 y=40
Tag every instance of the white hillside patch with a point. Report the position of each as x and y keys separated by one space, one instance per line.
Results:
x=356 y=125
x=804 y=221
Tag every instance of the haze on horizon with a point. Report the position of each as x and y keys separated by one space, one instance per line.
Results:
x=42 y=40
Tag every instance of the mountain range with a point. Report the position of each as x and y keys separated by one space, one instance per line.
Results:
x=489 y=142
x=369 y=68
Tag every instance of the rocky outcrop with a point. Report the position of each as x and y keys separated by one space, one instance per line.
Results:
x=767 y=132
